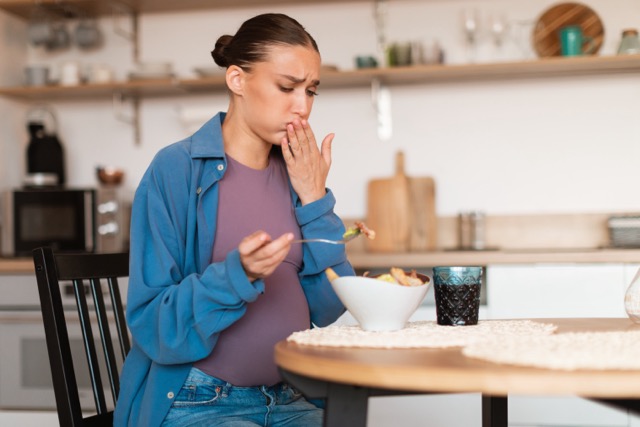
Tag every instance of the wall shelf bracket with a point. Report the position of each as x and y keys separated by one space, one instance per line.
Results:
x=132 y=117
x=119 y=12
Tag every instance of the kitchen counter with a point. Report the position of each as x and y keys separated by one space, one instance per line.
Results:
x=364 y=259
x=16 y=266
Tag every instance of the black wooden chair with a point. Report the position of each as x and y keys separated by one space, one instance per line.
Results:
x=94 y=274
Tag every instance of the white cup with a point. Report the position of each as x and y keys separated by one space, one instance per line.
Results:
x=100 y=73
x=70 y=73
x=37 y=75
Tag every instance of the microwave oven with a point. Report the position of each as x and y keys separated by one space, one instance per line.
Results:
x=66 y=219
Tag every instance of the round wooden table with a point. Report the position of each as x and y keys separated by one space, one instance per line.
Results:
x=354 y=374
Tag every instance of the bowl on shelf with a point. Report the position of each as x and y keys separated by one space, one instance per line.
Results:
x=379 y=305
x=108 y=175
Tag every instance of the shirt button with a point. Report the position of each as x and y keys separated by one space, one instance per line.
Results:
x=199 y=190
x=220 y=167
x=170 y=395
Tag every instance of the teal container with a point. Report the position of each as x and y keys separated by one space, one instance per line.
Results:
x=573 y=41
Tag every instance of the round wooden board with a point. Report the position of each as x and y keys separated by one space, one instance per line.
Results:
x=546 y=38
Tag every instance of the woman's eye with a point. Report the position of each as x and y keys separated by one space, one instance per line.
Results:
x=286 y=89
x=312 y=92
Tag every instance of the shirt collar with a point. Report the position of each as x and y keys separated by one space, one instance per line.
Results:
x=207 y=141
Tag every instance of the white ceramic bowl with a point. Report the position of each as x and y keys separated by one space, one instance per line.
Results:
x=378 y=305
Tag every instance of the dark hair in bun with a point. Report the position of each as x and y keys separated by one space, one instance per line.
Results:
x=255 y=36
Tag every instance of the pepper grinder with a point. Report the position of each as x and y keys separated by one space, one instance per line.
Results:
x=471 y=230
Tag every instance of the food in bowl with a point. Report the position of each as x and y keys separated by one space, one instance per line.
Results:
x=379 y=305
x=398 y=275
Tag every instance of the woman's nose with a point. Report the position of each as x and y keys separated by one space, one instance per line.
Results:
x=302 y=106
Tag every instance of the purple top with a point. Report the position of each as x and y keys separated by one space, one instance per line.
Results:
x=252 y=200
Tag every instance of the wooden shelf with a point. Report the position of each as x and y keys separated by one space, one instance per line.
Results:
x=545 y=67
x=427 y=74
x=93 y=91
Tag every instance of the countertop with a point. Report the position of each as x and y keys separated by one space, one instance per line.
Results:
x=364 y=259
x=16 y=265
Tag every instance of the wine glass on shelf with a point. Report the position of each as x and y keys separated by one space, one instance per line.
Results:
x=470 y=26
x=499 y=27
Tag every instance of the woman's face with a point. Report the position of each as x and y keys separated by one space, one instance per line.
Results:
x=280 y=90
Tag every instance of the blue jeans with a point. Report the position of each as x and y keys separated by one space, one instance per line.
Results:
x=208 y=401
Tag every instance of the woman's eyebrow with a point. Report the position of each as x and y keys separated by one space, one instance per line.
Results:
x=299 y=80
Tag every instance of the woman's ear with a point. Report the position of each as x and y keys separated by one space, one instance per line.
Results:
x=235 y=79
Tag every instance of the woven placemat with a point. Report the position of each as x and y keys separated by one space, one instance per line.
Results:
x=421 y=334
x=568 y=351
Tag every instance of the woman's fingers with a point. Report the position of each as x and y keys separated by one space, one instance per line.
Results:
x=302 y=140
x=294 y=142
x=260 y=255
x=252 y=242
x=326 y=148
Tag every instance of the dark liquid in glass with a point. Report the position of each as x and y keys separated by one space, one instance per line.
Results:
x=457 y=304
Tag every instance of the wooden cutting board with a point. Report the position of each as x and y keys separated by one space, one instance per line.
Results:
x=401 y=210
x=424 y=222
x=546 y=40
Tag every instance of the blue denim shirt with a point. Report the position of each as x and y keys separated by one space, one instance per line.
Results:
x=178 y=301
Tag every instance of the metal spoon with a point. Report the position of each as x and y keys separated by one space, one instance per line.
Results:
x=333 y=242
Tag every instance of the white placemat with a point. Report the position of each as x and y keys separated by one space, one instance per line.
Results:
x=569 y=351
x=421 y=334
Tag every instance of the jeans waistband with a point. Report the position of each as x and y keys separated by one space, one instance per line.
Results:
x=200 y=377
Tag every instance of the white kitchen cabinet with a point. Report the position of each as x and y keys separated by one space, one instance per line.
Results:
x=525 y=291
x=564 y=290
x=436 y=410
x=29 y=418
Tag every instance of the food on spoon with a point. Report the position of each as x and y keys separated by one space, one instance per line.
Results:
x=359 y=228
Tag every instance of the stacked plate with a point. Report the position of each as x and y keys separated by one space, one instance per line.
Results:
x=152 y=71
x=209 y=71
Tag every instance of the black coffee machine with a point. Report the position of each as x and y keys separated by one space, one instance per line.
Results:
x=45 y=154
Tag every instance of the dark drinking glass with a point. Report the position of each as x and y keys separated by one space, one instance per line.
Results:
x=457 y=293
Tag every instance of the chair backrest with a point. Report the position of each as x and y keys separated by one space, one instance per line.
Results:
x=97 y=273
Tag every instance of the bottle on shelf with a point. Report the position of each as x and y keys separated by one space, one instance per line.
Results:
x=630 y=42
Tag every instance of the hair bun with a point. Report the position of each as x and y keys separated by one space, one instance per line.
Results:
x=218 y=52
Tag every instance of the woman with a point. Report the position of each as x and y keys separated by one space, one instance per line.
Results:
x=216 y=279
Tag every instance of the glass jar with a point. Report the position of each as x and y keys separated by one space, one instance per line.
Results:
x=630 y=43
x=632 y=299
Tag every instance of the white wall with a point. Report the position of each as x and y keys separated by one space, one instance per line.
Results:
x=564 y=144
